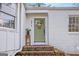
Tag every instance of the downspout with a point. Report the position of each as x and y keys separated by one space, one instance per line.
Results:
x=20 y=31
x=20 y=46
x=20 y=26
x=16 y=50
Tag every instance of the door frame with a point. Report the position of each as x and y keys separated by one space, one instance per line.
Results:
x=46 y=32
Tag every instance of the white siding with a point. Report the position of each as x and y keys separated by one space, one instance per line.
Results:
x=58 y=30
x=58 y=34
x=10 y=40
x=17 y=33
x=2 y=40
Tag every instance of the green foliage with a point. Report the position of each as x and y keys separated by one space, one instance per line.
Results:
x=28 y=29
x=38 y=4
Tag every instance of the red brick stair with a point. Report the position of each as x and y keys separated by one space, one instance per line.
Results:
x=37 y=48
x=42 y=50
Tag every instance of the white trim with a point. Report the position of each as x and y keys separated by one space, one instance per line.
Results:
x=36 y=11
x=73 y=33
x=7 y=29
x=52 y=8
x=39 y=43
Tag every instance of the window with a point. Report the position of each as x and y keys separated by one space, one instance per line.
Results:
x=73 y=23
x=7 y=20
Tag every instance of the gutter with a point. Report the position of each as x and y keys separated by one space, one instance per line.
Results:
x=52 y=8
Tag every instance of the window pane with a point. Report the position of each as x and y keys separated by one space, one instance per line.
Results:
x=1 y=21
x=8 y=21
x=74 y=24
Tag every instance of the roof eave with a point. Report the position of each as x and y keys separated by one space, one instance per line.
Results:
x=52 y=8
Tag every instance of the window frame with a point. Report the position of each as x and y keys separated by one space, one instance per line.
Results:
x=68 y=24
x=10 y=29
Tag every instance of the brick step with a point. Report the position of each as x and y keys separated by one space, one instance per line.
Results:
x=37 y=48
x=36 y=53
x=73 y=53
x=40 y=51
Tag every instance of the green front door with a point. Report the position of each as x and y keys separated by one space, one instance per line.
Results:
x=39 y=30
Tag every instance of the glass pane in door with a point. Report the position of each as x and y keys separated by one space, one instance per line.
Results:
x=39 y=30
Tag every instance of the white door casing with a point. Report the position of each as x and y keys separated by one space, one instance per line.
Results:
x=32 y=32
